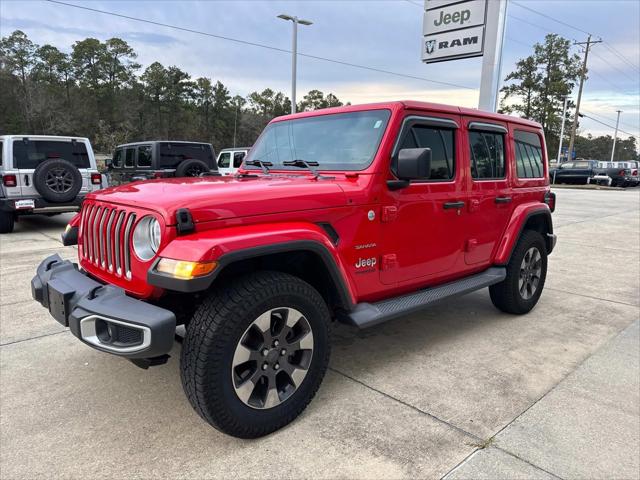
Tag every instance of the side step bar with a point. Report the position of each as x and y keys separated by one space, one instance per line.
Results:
x=368 y=314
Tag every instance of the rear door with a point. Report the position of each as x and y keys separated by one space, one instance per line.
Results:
x=224 y=163
x=238 y=157
x=490 y=202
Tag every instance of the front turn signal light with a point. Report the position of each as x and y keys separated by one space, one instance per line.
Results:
x=184 y=269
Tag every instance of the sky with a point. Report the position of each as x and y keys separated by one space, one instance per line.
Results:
x=382 y=34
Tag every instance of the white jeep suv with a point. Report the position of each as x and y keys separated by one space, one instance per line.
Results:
x=44 y=174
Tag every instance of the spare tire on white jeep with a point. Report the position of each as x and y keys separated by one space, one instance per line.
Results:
x=57 y=180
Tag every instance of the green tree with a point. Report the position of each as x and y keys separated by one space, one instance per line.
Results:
x=117 y=63
x=18 y=58
x=87 y=57
x=315 y=100
x=537 y=87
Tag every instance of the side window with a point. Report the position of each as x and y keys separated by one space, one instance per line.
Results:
x=440 y=141
x=129 y=156
x=237 y=159
x=117 y=159
x=224 y=160
x=1 y=144
x=487 y=155
x=144 y=156
x=528 y=155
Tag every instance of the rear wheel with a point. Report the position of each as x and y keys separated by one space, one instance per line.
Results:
x=526 y=274
x=255 y=353
x=7 y=222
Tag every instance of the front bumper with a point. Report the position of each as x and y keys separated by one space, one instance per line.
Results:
x=102 y=316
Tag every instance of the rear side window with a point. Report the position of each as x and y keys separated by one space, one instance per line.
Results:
x=31 y=153
x=528 y=155
x=1 y=144
x=129 y=155
x=237 y=159
x=117 y=158
x=144 y=156
x=171 y=154
x=224 y=160
x=440 y=141
x=487 y=155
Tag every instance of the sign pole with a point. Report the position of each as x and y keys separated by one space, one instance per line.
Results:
x=492 y=59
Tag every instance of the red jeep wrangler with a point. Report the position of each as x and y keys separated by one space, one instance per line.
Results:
x=358 y=214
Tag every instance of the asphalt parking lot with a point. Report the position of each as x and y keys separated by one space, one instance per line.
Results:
x=461 y=390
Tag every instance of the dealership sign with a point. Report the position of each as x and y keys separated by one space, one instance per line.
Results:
x=453 y=30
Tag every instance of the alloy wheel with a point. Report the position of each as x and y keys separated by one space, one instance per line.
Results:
x=272 y=358
x=530 y=272
x=59 y=180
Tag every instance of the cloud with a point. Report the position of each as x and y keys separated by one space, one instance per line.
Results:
x=141 y=37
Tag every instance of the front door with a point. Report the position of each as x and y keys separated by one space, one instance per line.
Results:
x=423 y=224
x=489 y=201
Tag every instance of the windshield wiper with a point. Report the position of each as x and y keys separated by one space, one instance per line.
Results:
x=298 y=162
x=260 y=163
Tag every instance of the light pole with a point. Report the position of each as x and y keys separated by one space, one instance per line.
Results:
x=615 y=135
x=564 y=113
x=294 y=53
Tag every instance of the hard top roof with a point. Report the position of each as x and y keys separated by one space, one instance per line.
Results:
x=415 y=105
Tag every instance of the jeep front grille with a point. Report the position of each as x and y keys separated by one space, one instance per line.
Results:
x=106 y=238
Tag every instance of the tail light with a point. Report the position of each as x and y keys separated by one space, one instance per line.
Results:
x=550 y=199
x=96 y=179
x=621 y=172
x=634 y=173
x=9 y=180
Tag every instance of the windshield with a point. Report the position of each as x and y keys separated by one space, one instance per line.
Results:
x=342 y=141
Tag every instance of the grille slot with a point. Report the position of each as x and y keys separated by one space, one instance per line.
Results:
x=106 y=238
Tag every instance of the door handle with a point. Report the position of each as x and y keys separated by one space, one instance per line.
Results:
x=449 y=205
x=503 y=199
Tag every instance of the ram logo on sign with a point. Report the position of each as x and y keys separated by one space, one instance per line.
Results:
x=453 y=30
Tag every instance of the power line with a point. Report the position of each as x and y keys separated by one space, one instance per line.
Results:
x=261 y=45
x=614 y=67
x=612 y=120
x=606 y=124
x=550 y=17
x=610 y=47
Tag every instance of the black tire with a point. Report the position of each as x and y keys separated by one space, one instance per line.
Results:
x=57 y=180
x=191 y=168
x=507 y=295
x=214 y=333
x=7 y=222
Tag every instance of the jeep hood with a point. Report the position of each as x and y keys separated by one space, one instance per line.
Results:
x=216 y=198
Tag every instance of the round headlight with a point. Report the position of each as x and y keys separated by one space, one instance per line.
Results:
x=146 y=238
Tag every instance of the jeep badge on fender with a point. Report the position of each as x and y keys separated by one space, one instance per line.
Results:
x=385 y=219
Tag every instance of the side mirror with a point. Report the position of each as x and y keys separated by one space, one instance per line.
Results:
x=108 y=163
x=412 y=164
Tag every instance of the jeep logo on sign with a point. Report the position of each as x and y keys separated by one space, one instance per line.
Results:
x=430 y=45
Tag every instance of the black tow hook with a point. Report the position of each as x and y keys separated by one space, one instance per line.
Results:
x=145 y=363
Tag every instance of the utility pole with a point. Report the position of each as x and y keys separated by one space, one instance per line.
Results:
x=564 y=115
x=587 y=44
x=294 y=53
x=615 y=136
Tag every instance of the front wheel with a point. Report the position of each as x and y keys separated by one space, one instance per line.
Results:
x=255 y=353
x=526 y=272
